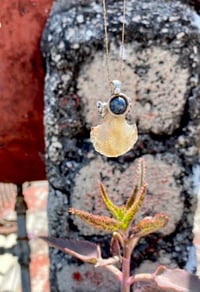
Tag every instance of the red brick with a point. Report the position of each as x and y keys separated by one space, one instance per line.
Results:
x=21 y=87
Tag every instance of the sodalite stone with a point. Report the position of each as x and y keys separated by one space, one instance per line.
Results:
x=118 y=105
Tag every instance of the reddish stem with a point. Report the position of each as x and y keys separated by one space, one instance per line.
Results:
x=125 y=287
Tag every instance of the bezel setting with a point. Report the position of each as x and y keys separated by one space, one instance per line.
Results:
x=116 y=106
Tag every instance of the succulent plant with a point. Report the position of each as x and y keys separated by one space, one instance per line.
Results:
x=126 y=232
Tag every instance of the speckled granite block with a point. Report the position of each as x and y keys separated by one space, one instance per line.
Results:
x=161 y=75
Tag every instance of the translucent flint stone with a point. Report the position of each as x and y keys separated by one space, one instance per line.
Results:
x=118 y=105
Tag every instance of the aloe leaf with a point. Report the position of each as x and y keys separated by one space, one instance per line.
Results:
x=100 y=222
x=139 y=182
x=134 y=208
x=83 y=250
x=150 y=224
x=117 y=212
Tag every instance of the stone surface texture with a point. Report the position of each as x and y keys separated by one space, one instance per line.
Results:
x=161 y=75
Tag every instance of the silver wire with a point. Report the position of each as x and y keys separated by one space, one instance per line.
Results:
x=107 y=42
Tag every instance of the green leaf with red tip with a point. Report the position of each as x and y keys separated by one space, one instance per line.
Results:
x=129 y=216
x=139 y=182
x=100 y=222
x=117 y=212
x=150 y=224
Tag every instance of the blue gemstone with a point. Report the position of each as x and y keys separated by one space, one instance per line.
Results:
x=118 y=105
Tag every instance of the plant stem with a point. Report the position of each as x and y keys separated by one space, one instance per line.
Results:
x=145 y=277
x=125 y=287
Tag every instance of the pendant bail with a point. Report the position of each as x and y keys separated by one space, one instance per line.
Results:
x=116 y=86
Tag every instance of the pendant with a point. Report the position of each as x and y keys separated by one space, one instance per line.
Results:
x=114 y=136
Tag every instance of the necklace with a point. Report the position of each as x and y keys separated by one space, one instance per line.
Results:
x=114 y=136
